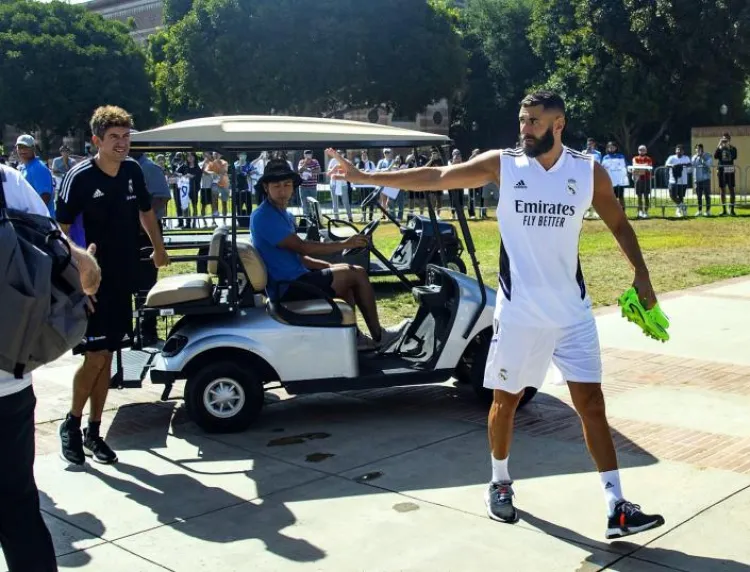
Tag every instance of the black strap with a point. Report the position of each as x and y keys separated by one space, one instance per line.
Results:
x=3 y=204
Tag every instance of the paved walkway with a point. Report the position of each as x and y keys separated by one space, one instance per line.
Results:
x=392 y=480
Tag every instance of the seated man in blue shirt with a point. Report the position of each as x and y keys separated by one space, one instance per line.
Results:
x=287 y=257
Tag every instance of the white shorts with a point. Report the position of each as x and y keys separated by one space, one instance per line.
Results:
x=520 y=356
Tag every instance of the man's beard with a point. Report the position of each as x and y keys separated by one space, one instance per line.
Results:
x=540 y=146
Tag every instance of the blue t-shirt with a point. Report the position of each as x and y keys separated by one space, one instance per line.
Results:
x=39 y=176
x=269 y=226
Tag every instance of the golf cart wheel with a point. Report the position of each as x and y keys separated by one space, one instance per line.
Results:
x=223 y=397
x=456 y=264
x=476 y=375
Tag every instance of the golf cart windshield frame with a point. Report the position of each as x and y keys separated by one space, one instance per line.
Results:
x=231 y=149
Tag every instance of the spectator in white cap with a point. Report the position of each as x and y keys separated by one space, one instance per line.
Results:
x=35 y=171
x=642 y=167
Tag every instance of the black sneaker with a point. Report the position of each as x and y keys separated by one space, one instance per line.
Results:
x=499 y=502
x=95 y=447
x=628 y=519
x=71 y=444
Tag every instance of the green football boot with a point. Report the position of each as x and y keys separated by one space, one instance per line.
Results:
x=653 y=322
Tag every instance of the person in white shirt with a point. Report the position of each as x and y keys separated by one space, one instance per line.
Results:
x=543 y=313
x=385 y=165
x=679 y=165
x=617 y=169
x=368 y=166
x=25 y=539
x=339 y=189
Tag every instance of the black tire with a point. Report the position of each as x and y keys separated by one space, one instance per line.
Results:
x=476 y=376
x=452 y=262
x=455 y=263
x=233 y=379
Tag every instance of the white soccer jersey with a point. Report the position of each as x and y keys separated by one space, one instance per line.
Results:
x=540 y=215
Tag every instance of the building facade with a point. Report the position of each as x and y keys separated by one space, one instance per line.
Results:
x=148 y=15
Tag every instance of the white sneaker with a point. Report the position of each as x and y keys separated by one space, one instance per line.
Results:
x=699 y=213
x=640 y=214
x=645 y=214
x=391 y=335
x=678 y=212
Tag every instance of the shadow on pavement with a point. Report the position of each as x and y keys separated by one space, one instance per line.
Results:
x=674 y=559
x=372 y=431
x=381 y=425
x=152 y=491
x=86 y=524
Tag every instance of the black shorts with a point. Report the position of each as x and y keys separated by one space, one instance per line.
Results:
x=110 y=327
x=619 y=192
x=642 y=187
x=703 y=188
x=726 y=179
x=194 y=192
x=321 y=279
x=205 y=196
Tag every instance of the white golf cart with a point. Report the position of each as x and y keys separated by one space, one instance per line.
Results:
x=232 y=343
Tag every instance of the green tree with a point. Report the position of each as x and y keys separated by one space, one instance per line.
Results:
x=501 y=68
x=639 y=69
x=306 y=57
x=59 y=62
x=175 y=10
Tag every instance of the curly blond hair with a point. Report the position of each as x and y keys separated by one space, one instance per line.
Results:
x=109 y=116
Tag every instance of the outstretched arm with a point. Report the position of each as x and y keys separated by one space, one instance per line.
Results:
x=606 y=205
x=483 y=169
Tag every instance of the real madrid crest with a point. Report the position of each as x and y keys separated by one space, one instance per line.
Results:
x=572 y=187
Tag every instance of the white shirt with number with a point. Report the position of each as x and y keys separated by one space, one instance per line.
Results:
x=183 y=185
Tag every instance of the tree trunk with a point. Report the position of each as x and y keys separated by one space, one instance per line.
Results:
x=627 y=135
x=660 y=131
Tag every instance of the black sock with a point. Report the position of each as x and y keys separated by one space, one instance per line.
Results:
x=72 y=421
x=94 y=428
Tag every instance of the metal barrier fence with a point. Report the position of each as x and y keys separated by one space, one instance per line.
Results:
x=661 y=202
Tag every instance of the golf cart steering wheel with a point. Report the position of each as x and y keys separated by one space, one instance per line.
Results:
x=367 y=231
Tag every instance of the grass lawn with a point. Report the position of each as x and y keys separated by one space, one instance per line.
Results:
x=680 y=254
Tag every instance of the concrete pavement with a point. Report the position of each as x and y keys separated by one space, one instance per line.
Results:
x=391 y=480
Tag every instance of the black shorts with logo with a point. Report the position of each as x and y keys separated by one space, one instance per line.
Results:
x=726 y=179
x=321 y=279
x=110 y=327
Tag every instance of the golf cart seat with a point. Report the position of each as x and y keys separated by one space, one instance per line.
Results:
x=197 y=288
x=190 y=290
x=315 y=312
x=180 y=290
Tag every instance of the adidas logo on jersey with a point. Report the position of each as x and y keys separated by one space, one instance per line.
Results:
x=520 y=185
x=98 y=194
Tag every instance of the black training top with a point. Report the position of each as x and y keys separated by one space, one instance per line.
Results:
x=726 y=155
x=109 y=208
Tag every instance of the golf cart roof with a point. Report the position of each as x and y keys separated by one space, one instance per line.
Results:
x=261 y=132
